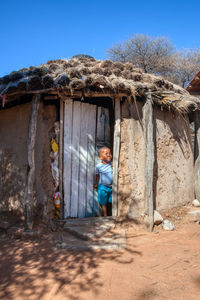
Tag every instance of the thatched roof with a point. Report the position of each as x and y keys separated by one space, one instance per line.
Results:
x=94 y=77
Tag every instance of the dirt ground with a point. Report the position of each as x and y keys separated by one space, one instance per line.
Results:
x=158 y=265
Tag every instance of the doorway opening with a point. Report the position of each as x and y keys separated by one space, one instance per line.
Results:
x=87 y=126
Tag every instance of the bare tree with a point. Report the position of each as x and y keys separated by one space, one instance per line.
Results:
x=159 y=56
x=186 y=65
x=151 y=54
x=119 y=53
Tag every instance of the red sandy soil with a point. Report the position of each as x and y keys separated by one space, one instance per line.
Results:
x=158 y=265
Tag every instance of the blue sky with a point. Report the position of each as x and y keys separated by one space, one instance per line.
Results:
x=33 y=32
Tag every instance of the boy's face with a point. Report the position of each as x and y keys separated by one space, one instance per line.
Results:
x=105 y=155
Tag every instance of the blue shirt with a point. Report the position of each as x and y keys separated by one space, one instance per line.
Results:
x=105 y=173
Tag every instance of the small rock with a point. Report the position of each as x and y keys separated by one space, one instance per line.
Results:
x=194 y=215
x=196 y=203
x=168 y=225
x=157 y=218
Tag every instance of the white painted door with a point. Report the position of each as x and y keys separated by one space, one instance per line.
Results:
x=86 y=128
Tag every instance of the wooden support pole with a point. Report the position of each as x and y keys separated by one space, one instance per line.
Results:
x=197 y=154
x=61 y=160
x=116 y=151
x=31 y=162
x=148 y=134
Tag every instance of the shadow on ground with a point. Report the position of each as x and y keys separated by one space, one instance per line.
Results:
x=31 y=269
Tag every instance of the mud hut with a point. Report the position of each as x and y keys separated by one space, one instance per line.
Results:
x=141 y=117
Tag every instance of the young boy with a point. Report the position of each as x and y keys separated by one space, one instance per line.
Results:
x=104 y=178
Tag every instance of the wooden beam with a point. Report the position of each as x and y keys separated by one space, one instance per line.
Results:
x=116 y=151
x=78 y=94
x=149 y=167
x=62 y=92
x=197 y=154
x=31 y=162
x=61 y=161
x=51 y=97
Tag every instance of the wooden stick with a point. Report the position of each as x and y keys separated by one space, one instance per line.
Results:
x=116 y=151
x=148 y=133
x=31 y=162
x=68 y=93
x=197 y=155
x=61 y=161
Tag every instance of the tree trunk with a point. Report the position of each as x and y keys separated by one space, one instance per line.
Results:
x=148 y=133
x=31 y=162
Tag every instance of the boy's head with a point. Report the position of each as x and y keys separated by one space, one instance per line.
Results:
x=105 y=154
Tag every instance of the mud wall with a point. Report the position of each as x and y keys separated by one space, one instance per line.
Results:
x=132 y=163
x=173 y=168
x=174 y=171
x=13 y=157
x=14 y=124
x=44 y=184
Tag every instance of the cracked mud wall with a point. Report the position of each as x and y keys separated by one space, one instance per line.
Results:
x=173 y=169
x=14 y=124
x=131 y=163
x=13 y=157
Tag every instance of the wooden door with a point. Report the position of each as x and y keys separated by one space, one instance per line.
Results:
x=86 y=129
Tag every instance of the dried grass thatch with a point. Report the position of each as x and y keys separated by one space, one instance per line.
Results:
x=87 y=74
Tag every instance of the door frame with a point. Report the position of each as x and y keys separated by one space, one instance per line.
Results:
x=116 y=154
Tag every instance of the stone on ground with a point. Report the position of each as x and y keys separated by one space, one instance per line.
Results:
x=90 y=234
x=168 y=225
x=196 y=203
x=89 y=228
x=157 y=218
x=112 y=241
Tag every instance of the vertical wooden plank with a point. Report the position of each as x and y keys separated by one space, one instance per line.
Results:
x=197 y=154
x=91 y=159
x=98 y=145
x=67 y=149
x=107 y=126
x=61 y=161
x=31 y=161
x=83 y=160
x=100 y=124
x=116 y=151
x=75 y=158
x=148 y=133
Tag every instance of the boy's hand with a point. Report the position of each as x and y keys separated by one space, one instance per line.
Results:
x=95 y=186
